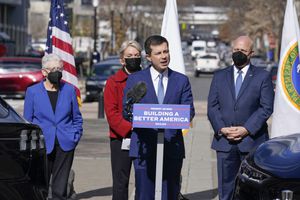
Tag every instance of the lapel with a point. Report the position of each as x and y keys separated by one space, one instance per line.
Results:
x=47 y=104
x=246 y=82
x=59 y=98
x=171 y=84
x=150 y=87
x=230 y=81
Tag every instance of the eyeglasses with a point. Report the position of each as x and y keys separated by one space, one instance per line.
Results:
x=53 y=69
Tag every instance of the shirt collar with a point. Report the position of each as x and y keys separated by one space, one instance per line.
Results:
x=155 y=73
x=244 y=69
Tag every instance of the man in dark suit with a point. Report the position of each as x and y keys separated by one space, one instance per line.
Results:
x=240 y=102
x=164 y=86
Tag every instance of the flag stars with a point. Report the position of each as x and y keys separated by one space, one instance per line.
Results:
x=56 y=17
x=65 y=22
x=58 y=6
x=62 y=14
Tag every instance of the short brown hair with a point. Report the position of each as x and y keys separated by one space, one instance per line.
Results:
x=154 y=40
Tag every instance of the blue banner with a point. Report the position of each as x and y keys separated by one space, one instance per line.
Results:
x=161 y=116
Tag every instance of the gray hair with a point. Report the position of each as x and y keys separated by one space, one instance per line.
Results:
x=129 y=43
x=50 y=57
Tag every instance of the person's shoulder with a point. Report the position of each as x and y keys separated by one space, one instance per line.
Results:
x=120 y=76
x=221 y=72
x=176 y=74
x=260 y=70
x=34 y=87
x=140 y=74
x=67 y=86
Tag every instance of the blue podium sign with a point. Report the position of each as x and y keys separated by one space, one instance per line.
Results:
x=161 y=116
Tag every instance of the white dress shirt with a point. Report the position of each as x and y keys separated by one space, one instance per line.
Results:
x=236 y=72
x=155 y=79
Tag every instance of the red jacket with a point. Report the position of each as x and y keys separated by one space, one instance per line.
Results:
x=113 y=95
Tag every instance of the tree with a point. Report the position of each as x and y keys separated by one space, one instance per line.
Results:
x=255 y=18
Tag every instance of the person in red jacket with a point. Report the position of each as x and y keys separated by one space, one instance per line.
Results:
x=119 y=128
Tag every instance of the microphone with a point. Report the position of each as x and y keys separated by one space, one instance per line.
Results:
x=134 y=95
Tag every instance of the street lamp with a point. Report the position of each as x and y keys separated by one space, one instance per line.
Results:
x=96 y=55
x=112 y=39
x=95 y=5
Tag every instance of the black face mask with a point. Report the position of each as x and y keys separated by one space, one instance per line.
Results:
x=133 y=64
x=239 y=58
x=54 y=77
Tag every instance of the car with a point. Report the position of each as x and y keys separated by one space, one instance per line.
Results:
x=18 y=73
x=185 y=48
x=23 y=169
x=198 y=48
x=207 y=63
x=270 y=170
x=97 y=79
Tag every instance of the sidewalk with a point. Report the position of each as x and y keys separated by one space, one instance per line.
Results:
x=92 y=160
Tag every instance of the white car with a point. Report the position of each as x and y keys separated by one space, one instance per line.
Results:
x=198 y=48
x=207 y=63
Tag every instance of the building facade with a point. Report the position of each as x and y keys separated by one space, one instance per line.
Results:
x=13 y=26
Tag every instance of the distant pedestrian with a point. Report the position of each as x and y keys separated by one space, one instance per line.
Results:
x=240 y=102
x=119 y=128
x=52 y=105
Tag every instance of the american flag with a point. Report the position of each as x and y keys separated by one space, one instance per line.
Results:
x=59 y=42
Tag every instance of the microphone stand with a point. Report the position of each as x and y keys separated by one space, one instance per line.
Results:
x=159 y=164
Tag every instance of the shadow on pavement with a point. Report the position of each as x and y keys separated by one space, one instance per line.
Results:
x=95 y=193
x=204 y=195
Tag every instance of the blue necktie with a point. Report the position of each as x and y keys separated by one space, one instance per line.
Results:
x=160 y=89
x=238 y=83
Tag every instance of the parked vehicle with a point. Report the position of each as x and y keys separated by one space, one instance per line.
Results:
x=99 y=74
x=198 y=48
x=208 y=63
x=270 y=169
x=23 y=168
x=185 y=48
x=18 y=73
x=259 y=61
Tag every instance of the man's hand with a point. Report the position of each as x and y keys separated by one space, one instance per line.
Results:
x=234 y=133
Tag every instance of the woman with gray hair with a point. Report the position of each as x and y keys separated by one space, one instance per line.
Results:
x=52 y=105
x=119 y=128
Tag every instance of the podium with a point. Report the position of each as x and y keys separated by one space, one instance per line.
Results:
x=160 y=117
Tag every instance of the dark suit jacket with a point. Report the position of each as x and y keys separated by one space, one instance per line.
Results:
x=65 y=123
x=143 y=141
x=251 y=109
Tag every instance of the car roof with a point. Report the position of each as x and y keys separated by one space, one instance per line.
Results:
x=20 y=59
x=113 y=57
x=108 y=62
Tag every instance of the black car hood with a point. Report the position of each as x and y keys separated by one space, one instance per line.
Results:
x=280 y=156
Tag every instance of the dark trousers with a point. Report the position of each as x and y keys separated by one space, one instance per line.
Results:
x=228 y=166
x=59 y=166
x=145 y=171
x=120 y=165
